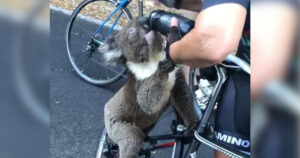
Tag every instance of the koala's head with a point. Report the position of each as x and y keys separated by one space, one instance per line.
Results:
x=135 y=43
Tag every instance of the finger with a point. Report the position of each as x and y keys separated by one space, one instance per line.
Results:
x=174 y=22
x=174 y=34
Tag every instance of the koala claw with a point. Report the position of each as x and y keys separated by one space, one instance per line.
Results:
x=193 y=125
x=166 y=66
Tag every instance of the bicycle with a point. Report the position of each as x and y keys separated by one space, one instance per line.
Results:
x=179 y=135
x=180 y=138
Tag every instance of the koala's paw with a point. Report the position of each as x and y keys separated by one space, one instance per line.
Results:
x=166 y=66
x=191 y=124
x=194 y=125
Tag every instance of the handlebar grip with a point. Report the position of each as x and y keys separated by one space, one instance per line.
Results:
x=160 y=20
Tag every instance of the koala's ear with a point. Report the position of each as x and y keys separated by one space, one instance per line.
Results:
x=132 y=32
x=110 y=51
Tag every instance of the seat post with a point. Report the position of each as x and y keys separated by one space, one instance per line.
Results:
x=140 y=5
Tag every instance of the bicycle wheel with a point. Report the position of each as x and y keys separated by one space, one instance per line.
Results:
x=82 y=41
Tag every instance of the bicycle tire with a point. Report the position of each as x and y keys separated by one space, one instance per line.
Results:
x=101 y=82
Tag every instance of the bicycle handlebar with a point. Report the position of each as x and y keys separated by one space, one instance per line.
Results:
x=239 y=62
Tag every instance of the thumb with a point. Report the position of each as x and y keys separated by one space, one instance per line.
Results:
x=174 y=33
x=174 y=22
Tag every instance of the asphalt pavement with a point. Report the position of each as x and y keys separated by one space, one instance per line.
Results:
x=76 y=107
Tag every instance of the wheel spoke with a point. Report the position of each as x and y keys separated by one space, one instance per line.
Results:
x=76 y=42
x=105 y=66
x=80 y=55
x=83 y=64
x=84 y=29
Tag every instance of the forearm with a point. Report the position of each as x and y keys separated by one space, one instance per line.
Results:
x=192 y=5
x=216 y=34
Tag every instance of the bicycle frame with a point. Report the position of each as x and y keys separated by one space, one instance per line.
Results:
x=154 y=139
x=120 y=4
x=199 y=134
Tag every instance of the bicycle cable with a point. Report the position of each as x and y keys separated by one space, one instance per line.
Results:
x=239 y=62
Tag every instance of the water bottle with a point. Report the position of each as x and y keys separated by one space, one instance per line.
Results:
x=160 y=20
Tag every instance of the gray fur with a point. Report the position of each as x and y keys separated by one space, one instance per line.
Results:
x=134 y=109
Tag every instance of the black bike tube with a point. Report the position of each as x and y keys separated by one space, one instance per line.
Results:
x=178 y=149
x=165 y=137
x=140 y=7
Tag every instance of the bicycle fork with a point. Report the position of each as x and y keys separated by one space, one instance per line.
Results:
x=94 y=42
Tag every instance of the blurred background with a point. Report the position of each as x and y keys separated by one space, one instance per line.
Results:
x=275 y=105
x=25 y=70
x=24 y=79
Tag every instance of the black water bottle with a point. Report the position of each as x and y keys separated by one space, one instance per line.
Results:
x=160 y=20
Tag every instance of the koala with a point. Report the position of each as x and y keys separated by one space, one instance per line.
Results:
x=153 y=84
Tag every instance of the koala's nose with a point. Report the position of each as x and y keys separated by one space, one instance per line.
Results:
x=144 y=22
x=142 y=58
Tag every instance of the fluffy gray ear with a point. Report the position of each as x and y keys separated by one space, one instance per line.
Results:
x=111 y=53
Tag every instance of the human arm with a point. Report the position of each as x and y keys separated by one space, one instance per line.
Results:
x=216 y=33
x=192 y=5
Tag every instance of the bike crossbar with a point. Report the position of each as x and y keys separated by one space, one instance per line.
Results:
x=166 y=137
x=111 y=15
